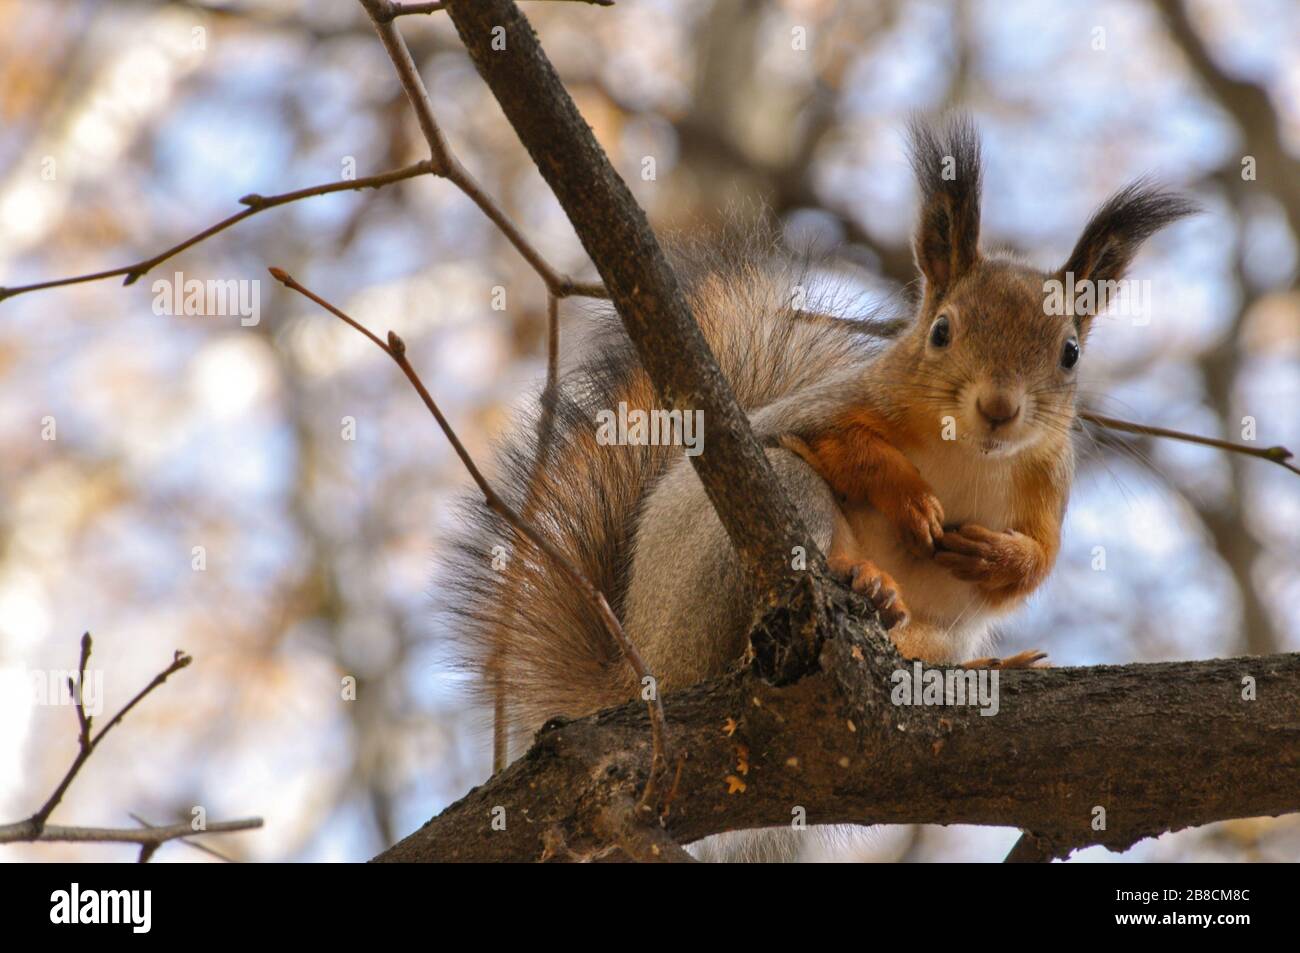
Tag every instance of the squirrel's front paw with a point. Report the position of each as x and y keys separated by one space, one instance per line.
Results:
x=918 y=517
x=877 y=587
x=990 y=559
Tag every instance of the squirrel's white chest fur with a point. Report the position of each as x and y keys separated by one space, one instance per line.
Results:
x=949 y=617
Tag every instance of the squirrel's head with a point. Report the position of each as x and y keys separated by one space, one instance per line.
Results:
x=995 y=350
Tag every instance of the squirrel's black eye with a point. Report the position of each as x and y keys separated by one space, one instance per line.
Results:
x=1070 y=354
x=940 y=332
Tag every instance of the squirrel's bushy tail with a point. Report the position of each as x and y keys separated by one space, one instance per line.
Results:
x=519 y=625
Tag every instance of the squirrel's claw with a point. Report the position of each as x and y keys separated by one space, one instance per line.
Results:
x=878 y=588
x=977 y=554
x=1027 y=659
x=919 y=519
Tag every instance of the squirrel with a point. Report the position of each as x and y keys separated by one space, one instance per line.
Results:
x=931 y=467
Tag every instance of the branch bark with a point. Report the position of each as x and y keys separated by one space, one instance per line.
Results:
x=761 y=523
x=1158 y=747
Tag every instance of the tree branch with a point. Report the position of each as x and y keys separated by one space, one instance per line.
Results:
x=1156 y=747
x=759 y=520
x=147 y=850
x=256 y=203
x=395 y=348
x=145 y=836
x=88 y=744
x=1279 y=455
x=447 y=166
x=388 y=10
x=35 y=827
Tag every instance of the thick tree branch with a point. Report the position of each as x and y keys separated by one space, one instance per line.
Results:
x=1156 y=747
x=612 y=227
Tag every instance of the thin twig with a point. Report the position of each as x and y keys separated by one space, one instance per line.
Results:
x=1278 y=455
x=447 y=166
x=552 y=344
x=86 y=743
x=202 y=848
x=78 y=694
x=646 y=843
x=395 y=348
x=152 y=836
x=256 y=203
x=500 y=710
x=408 y=74
x=388 y=10
x=559 y=285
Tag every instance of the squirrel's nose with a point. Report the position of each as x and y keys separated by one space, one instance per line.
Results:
x=999 y=410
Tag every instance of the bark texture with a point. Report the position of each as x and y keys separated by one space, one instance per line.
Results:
x=761 y=523
x=1158 y=747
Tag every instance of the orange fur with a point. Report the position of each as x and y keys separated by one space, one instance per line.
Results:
x=860 y=462
x=864 y=467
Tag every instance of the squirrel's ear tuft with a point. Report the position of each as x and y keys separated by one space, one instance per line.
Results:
x=1115 y=233
x=946 y=162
